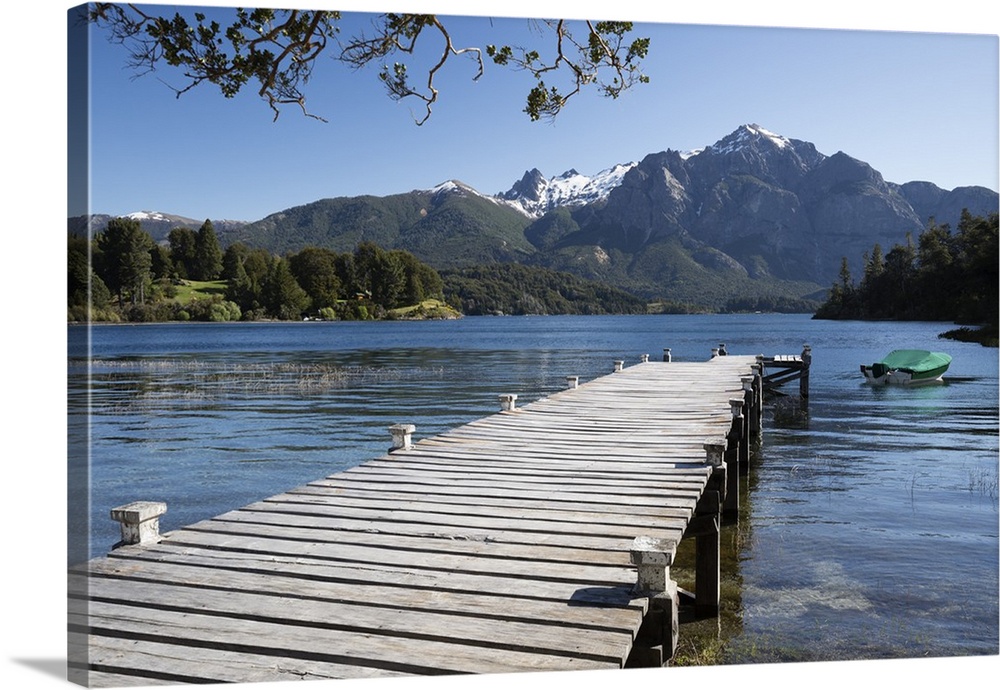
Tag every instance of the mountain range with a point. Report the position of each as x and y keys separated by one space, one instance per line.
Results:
x=755 y=215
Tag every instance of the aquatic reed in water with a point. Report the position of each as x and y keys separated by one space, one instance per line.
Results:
x=154 y=382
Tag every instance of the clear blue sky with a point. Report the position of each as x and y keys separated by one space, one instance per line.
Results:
x=915 y=105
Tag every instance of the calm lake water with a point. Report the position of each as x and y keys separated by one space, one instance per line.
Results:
x=870 y=524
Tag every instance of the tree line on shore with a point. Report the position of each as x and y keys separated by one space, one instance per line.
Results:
x=943 y=276
x=123 y=275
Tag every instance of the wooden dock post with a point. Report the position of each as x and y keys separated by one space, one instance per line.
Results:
x=735 y=458
x=140 y=522
x=751 y=422
x=758 y=369
x=656 y=641
x=741 y=428
x=804 y=376
x=704 y=527
x=401 y=436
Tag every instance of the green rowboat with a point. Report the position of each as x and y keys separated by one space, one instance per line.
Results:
x=907 y=367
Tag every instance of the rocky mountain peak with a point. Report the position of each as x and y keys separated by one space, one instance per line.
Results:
x=530 y=187
x=534 y=195
x=753 y=136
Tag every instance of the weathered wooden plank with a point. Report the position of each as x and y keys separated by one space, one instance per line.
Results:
x=267 y=638
x=584 y=575
x=100 y=679
x=415 y=522
x=368 y=618
x=161 y=663
x=622 y=614
x=461 y=504
x=530 y=464
x=514 y=588
x=569 y=482
x=663 y=462
x=374 y=505
x=683 y=498
x=497 y=542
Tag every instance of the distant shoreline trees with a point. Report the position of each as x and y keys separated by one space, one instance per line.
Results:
x=123 y=275
x=943 y=276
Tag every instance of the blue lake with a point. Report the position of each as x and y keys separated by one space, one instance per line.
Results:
x=870 y=528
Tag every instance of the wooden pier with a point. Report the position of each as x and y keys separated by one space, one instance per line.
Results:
x=781 y=369
x=539 y=538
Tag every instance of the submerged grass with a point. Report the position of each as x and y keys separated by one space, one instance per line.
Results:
x=156 y=382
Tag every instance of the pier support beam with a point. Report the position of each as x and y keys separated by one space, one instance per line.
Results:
x=735 y=458
x=140 y=522
x=751 y=420
x=704 y=527
x=804 y=377
x=758 y=385
x=656 y=642
x=741 y=411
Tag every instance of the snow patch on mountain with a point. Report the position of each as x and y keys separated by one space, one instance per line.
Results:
x=749 y=135
x=534 y=195
x=149 y=216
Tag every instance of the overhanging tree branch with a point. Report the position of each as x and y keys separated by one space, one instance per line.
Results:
x=278 y=49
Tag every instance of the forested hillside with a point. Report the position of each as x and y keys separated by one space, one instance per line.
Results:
x=944 y=276
x=129 y=277
x=132 y=278
x=514 y=289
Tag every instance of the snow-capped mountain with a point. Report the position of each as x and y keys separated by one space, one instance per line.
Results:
x=753 y=205
x=156 y=223
x=749 y=135
x=534 y=195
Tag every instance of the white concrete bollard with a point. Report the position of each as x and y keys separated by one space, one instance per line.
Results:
x=508 y=402
x=652 y=558
x=572 y=382
x=401 y=436
x=619 y=363
x=140 y=522
x=715 y=453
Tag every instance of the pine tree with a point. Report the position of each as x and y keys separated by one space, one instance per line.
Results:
x=208 y=254
x=127 y=260
x=281 y=295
